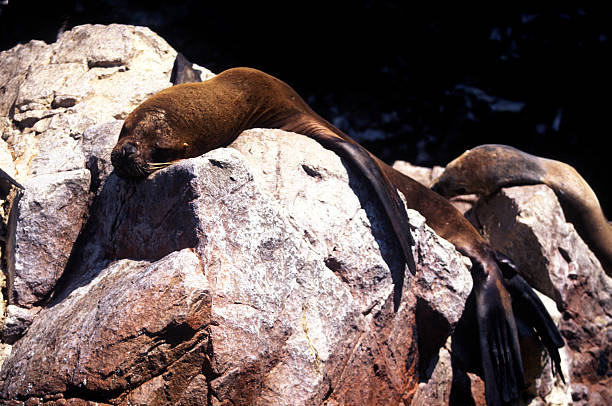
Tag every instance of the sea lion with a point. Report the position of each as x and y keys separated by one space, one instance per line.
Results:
x=487 y=168
x=190 y=119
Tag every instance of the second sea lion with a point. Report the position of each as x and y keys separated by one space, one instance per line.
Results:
x=191 y=119
x=487 y=168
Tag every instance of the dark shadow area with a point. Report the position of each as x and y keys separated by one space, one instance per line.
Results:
x=410 y=81
x=432 y=331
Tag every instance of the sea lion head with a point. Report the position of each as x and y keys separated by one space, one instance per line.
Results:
x=457 y=178
x=486 y=168
x=147 y=142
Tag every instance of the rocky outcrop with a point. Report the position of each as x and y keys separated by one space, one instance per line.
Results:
x=263 y=273
x=527 y=223
x=50 y=95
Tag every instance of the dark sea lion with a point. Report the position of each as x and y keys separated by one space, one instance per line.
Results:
x=190 y=119
x=487 y=168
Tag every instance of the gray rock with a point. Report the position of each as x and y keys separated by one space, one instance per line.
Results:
x=62 y=153
x=153 y=313
x=50 y=95
x=421 y=174
x=14 y=68
x=97 y=143
x=18 y=319
x=44 y=224
x=91 y=75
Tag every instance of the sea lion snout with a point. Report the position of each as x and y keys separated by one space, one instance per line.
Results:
x=127 y=161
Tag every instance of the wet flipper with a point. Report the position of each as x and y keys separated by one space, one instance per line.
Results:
x=528 y=307
x=499 y=347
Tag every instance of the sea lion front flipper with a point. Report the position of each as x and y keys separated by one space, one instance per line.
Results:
x=499 y=347
x=528 y=307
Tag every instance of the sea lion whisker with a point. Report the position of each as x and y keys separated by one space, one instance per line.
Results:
x=159 y=165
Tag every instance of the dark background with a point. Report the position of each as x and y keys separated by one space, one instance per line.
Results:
x=415 y=83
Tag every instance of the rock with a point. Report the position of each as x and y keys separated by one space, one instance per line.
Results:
x=92 y=74
x=527 y=224
x=45 y=221
x=6 y=160
x=18 y=319
x=421 y=174
x=98 y=142
x=436 y=390
x=153 y=313
x=203 y=282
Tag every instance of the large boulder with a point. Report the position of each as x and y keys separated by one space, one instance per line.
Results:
x=50 y=94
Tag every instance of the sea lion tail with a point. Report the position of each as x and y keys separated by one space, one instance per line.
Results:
x=528 y=307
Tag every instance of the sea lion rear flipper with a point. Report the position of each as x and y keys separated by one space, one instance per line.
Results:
x=499 y=347
x=528 y=307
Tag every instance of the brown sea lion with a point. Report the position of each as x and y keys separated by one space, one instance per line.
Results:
x=487 y=168
x=188 y=120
